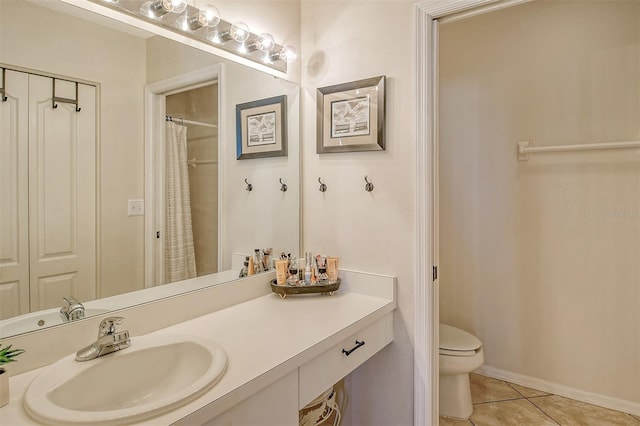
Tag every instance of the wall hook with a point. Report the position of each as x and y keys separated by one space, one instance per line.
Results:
x=3 y=89
x=249 y=186
x=369 y=186
x=283 y=188
x=323 y=187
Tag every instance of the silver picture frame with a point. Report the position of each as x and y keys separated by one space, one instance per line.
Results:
x=261 y=128
x=351 y=116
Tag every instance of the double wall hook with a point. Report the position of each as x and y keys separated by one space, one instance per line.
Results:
x=55 y=98
x=249 y=187
x=369 y=186
x=323 y=187
x=283 y=186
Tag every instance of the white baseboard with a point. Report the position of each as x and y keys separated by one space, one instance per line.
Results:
x=566 y=391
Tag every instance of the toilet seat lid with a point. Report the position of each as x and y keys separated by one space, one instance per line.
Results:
x=454 y=339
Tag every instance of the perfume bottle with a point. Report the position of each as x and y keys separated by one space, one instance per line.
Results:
x=293 y=278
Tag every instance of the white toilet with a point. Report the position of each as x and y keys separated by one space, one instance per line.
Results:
x=460 y=354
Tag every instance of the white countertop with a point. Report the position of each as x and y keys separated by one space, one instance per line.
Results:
x=265 y=338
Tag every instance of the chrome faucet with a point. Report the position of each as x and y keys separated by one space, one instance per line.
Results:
x=74 y=310
x=109 y=340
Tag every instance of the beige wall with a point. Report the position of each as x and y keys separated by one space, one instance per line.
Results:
x=42 y=39
x=344 y=41
x=540 y=259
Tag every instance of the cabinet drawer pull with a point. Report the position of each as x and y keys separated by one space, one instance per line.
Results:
x=348 y=352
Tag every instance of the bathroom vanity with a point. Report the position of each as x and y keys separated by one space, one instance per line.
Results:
x=282 y=353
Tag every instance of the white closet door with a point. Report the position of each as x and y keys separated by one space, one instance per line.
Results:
x=62 y=193
x=14 y=208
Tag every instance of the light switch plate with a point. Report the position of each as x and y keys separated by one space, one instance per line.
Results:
x=135 y=208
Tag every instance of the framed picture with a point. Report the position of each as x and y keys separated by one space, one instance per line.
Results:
x=351 y=116
x=261 y=128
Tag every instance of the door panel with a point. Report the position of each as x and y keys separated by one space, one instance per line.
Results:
x=62 y=209
x=14 y=207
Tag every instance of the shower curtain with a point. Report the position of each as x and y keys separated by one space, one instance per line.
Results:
x=179 y=253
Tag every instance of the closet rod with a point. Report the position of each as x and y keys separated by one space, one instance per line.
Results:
x=524 y=147
x=183 y=121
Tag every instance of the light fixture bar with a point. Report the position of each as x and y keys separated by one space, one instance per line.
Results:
x=235 y=38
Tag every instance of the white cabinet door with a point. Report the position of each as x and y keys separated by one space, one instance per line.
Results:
x=14 y=207
x=62 y=193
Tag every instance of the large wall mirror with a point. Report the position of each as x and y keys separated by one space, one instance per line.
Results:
x=98 y=187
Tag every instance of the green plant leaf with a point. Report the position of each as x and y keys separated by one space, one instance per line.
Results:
x=7 y=354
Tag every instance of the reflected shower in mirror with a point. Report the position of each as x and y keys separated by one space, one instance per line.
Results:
x=88 y=198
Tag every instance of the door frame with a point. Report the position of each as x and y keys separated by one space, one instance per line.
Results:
x=155 y=111
x=429 y=15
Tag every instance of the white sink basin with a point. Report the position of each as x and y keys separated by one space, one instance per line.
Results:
x=155 y=374
x=37 y=320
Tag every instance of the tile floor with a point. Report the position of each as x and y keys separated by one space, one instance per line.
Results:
x=498 y=403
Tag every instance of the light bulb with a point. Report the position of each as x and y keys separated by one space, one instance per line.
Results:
x=162 y=7
x=287 y=53
x=264 y=42
x=208 y=16
x=178 y=6
x=239 y=32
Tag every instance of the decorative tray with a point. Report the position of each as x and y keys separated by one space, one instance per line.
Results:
x=323 y=288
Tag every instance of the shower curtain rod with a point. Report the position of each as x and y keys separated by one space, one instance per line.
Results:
x=183 y=122
x=524 y=147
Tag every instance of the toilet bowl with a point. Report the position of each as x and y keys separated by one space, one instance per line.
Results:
x=460 y=354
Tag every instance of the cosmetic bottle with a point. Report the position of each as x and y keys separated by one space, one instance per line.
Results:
x=251 y=270
x=332 y=268
x=321 y=261
x=301 y=270
x=245 y=269
x=257 y=261
x=307 y=268
x=293 y=278
x=281 y=271
x=314 y=271
x=266 y=259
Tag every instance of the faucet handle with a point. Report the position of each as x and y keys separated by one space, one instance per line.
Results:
x=108 y=325
x=73 y=310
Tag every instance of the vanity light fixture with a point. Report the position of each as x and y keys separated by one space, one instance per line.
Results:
x=179 y=16
x=208 y=16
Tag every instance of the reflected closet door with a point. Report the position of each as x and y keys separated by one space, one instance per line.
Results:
x=62 y=193
x=14 y=204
